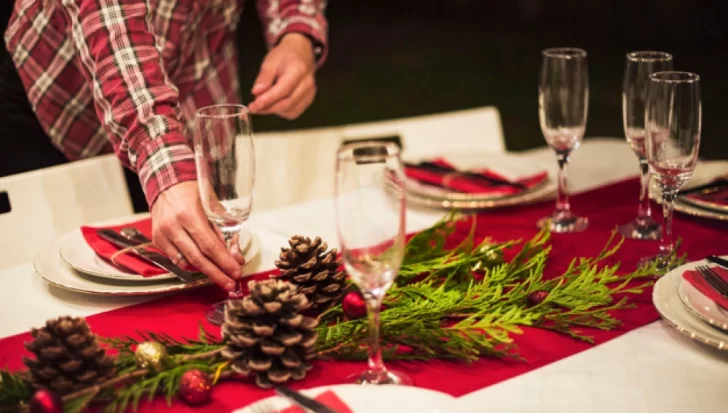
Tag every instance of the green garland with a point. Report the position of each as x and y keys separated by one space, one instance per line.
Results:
x=459 y=304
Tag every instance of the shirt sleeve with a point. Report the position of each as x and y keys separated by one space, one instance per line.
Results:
x=133 y=96
x=280 y=17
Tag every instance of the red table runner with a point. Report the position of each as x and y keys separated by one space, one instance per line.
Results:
x=606 y=208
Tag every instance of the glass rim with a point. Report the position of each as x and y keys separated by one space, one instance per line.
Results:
x=564 y=52
x=674 y=76
x=649 y=56
x=237 y=110
x=346 y=151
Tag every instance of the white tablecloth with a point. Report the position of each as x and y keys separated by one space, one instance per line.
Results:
x=651 y=369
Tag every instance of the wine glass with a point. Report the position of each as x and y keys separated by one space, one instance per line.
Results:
x=563 y=103
x=370 y=221
x=225 y=161
x=672 y=125
x=637 y=69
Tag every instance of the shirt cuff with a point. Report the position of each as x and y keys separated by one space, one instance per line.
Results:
x=163 y=163
x=314 y=29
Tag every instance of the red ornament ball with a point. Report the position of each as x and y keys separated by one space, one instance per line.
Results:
x=46 y=401
x=354 y=305
x=536 y=297
x=195 y=387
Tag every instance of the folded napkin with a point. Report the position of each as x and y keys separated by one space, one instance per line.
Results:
x=129 y=261
x=465 y=184
x=327 y=398
x=697 y=281
x=718 y=196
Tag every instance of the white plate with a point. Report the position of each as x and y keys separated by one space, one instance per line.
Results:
x=511 y=166
x=76 y=252
x=670 y=306
x=52 y=268
x=700 y=305
x=705 y=172
x=373 y=399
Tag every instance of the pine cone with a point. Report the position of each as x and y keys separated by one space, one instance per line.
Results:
x=68 y=358
x=266 y=334
x=315 y=271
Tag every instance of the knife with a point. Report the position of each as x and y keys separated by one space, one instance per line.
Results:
x=717 y=260
x=440 y=168
x=303 y=401
x=152 y=257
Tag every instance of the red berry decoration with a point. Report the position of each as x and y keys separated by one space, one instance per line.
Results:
x=354 y=305
x=195 y=387
x=536 y=297
x=46 y=401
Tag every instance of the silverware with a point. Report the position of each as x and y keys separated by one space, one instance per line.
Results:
x=717 y=260
x=714 y=280
x=152 y=257
x=303 y=401
x=135 y=235
x=470 y=175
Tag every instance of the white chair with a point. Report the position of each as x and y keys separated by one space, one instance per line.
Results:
x=298 y=166
x=48 y=202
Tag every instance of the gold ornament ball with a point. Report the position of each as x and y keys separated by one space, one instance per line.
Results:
x=151 y=355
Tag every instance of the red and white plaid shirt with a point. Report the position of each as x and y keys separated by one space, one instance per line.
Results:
x=128 y=75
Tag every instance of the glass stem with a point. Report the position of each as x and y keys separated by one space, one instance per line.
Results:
x=666 y=242
x=643 y=211
x=562 y=197
x=374 y=305
x=230 y=240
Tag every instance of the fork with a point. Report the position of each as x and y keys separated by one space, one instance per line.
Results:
x=713 y=279
x=263 y=406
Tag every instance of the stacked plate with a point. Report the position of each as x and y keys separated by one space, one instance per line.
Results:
x=512 y=166
x=702 y=195
x=688 y=310
x=69 y=263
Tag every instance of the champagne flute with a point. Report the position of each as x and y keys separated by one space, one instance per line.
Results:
x=563 y=103
x=225 y=161
x=370 y=221
x=637 y=69
x=672 y=124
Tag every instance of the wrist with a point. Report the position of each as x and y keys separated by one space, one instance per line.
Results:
x=303 y=41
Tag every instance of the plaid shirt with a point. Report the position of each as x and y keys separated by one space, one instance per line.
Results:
x=128 y=75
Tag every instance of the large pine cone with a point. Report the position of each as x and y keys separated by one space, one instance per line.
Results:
x=68 y=357
x=314 y=269
x=266 y=334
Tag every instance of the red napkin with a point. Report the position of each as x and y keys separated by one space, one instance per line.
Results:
x=329 y=399
x=697 y=281
x=468 y=185
x=719 y=196
x=129 y=261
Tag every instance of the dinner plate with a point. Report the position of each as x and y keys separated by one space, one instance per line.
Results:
x=702 y=203
x=76 y=252
x=666 y=298
x=52 y=268
x=511 y=166
x=705 y=172
x=371 y=399
x=700 y=305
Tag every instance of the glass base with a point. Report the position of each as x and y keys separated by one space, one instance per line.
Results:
x=642 y=229
x=662 y=264
x=564 y=222
x=216 y=313
x=385 y=377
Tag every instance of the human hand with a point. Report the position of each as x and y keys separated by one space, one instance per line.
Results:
x=286 y=85
x=179 y=225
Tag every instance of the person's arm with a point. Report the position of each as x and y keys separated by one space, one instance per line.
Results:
x=139 y=108
x=296 y=32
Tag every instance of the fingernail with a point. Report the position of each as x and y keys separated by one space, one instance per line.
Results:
x=257 y=86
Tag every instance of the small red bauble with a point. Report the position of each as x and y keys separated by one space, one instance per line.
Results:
x=536 y=297
x=354 y=305
x=195 y=387
x=46 y=401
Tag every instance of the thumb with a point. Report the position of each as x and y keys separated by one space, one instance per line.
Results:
x=265 y=78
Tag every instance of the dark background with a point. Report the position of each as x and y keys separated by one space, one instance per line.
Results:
x=395 y=58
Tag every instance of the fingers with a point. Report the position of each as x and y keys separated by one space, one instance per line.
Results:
x=210 y=245
x=197 y=258
x=285 y=84
x=294 y=105
x=266 y=76
x=234 y=248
